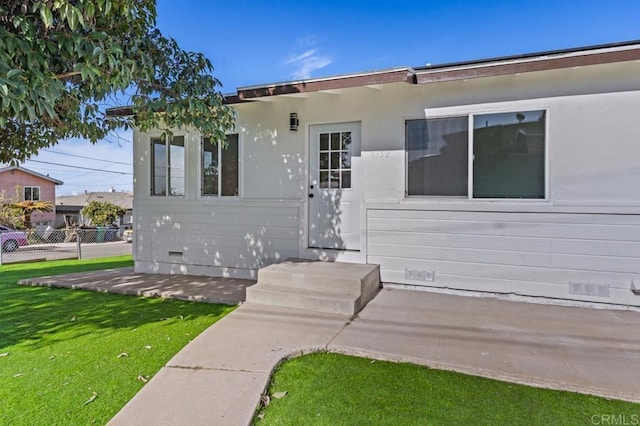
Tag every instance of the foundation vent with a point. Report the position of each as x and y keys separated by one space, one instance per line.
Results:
x=589 y=289
x=420 y=275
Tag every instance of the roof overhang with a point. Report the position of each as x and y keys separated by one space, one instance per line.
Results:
x=596 y=55
x=507 y=65
x=396 y=75
x=31 y=172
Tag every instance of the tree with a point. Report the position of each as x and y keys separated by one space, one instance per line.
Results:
x=7 y=211
x=61 y=61
x=29 y=207
x=102 y=213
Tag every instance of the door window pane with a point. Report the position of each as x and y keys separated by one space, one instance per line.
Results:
x=509 y=155
x=176 y=166
x=335 y=141
x=346 y=159
x=335 y=160
x=324 y=160
x=346 y=179
x=324 y=142
x=346 y=140
x=324 y=178
x=437 y=151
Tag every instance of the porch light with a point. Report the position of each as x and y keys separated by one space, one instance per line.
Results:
x=293 y=122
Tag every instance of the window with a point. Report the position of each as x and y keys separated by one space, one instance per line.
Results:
x=167 y=166
x=335 y=160
x=32 y=193
x=508 y=155
x=508 y=150
x=437 y=156
x=220 y=167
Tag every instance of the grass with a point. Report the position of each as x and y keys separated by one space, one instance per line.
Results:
x=331 y=389
x=76 y=357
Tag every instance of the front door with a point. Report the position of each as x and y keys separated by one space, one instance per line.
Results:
x=334 y=186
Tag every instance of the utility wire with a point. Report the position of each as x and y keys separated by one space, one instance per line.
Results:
x=79 y=167
x=87 y=158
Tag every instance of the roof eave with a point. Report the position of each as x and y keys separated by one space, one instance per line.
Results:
x=395 y=75
x=31 y=172
x=518 y=65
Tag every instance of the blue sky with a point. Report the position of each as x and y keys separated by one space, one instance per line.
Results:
x=255 y=42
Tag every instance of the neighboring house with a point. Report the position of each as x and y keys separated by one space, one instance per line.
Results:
x=69 y=206
x=20 y=184
x=517 y=175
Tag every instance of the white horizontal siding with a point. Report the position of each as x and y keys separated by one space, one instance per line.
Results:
x=536 y=254
x=508 y=243
x=207 y=238
x=511 y=257
x=502 y=226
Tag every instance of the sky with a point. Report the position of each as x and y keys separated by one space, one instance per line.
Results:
x=258 y=42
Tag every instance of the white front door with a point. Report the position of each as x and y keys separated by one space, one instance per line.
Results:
x=334 y=186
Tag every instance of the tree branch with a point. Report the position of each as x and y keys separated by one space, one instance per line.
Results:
x=67 y=75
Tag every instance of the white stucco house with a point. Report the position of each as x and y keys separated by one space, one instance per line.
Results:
x=517 y=175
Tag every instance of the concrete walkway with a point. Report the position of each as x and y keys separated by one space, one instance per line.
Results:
x=220 y=376
x=230 y=291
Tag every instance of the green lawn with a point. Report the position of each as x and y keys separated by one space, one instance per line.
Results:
x=61 y=348
x=331 y=389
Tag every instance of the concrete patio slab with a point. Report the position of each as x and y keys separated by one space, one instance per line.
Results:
x=587 y=350
x=229 y=291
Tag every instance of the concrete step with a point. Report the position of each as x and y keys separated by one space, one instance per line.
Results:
x=329 y=287
x=300 y=298
x=332 y=277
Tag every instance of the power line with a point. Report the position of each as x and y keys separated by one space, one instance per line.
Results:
x=79 y=167
x=87 y=158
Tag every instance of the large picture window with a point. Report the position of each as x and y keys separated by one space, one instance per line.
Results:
x=167 y=166
x=508 y=158
x=220 y=167
x=437 y=153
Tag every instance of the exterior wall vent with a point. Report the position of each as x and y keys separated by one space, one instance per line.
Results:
x=589 y=289
x=419 y=275
x=175 y=253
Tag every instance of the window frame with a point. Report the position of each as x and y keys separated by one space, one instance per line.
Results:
x=470 y=111
x=167 y=165
x=219 y=195
x=31 y=187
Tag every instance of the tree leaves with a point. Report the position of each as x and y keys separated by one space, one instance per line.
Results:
x=102 y=213
x=47 y=16
x=60 y=61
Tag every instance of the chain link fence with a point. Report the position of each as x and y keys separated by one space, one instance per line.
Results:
x=58 y=244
